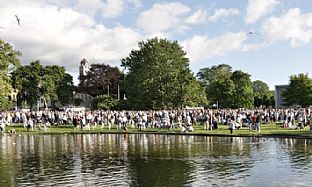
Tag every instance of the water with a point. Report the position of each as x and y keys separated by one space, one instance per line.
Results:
x=153 y=160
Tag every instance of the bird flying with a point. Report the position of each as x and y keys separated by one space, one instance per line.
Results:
x=253 y=33
x=18 y=20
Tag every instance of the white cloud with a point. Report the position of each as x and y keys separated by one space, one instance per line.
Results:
x=59 y=3
x=63 y=36
x=220 y=13
x=113 y=8
x=167 y=17
x=108 y=8
x=201 y=47
x=293 y=26
x=89 y=7
x=162 y=17
x=201 y=16
x=259 y=8
x=198 y=17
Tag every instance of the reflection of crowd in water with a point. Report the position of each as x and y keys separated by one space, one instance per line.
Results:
x=169 y=119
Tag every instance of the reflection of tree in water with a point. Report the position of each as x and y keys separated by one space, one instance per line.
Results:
x=102 y=155
x=228 y=146
x=227 y=161
x=7 y=163
x=137 y=159
x=43 y=157
x=299 y=150
x=160 y=172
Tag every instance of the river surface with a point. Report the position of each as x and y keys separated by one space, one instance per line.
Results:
x=153 y=160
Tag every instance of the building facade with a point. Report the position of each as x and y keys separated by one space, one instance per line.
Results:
x=279 y=99
x=85 y=98
x=84 y=67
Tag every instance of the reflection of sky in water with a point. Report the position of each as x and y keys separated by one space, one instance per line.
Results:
x=140 y=159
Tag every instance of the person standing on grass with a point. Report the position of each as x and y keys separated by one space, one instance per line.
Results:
x=231 y=123
x=124 y=121
x=206 y=121
x=2 y=124
x=30 y=124
x=258 y=122
x=139 y=122
x=253 y=122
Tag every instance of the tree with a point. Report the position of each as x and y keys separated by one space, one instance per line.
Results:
x=35 y=81
x=9 y=60
x=228 y=89
x=210 y=75
x=222 y=92
x=101 y=79
x=299 y=91
x=65 y=90
x=218 y=84
x=194 y=94
x=27 y=80
x=262 y=94
x=243 y=90
x=104 y=102
x=58 y=85
x=159 y=76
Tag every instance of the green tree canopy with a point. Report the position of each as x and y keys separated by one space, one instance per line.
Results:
x=218 y=84
x=159 y=76
x=35 y=80
x=9 y=60
x=227 y=88
x=214 y=73
x=65 y=90
x=299 y=91
x=104 y=102
x=243 y=90
x=262 y=94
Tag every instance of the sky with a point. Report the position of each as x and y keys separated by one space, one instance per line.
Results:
x=269 y=39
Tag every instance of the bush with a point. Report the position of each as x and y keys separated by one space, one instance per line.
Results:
x=104 y=102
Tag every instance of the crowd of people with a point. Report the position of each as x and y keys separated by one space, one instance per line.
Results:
x=183 y=120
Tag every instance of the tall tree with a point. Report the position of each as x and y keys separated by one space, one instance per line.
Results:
x=35 y=81
x=262 y=94
x=228 y=89
x=243 y=90
x=65 y=90
x=218 y=84
x=221 y=92
x=27 y=80
x=57 y=85
x=159 y=76
x=9 y=60
x=214 y=73
x=299 y=91
x=101 y=79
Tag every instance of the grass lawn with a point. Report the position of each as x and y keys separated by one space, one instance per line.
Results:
x=269 y=130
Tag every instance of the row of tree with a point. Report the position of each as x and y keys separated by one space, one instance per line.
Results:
x=299 y=91
x=50 y=82
x=157 y=76
x=230 y=89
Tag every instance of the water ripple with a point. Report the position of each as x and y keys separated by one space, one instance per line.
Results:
x=154 y=160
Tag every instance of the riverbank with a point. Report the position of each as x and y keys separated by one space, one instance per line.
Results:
x=267 y=130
